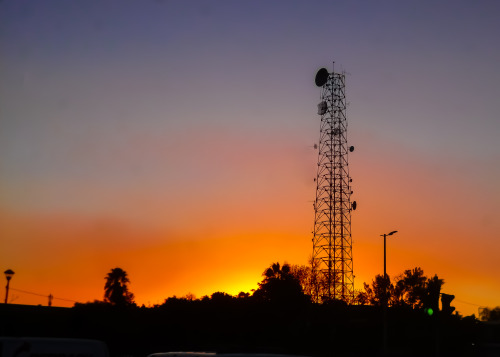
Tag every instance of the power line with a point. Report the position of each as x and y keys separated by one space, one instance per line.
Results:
x=27 y=292
x=468 y=303
x=32 y=293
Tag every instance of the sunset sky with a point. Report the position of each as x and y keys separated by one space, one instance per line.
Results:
x=174 y=139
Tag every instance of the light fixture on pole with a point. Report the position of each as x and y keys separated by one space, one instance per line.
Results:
x=385 y=255
x=8 y=274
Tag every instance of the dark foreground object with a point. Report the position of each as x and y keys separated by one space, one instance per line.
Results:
x=243 y=325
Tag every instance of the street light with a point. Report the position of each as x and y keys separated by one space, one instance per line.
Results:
x=385 y=255
x=385 y=291
x=8 y=274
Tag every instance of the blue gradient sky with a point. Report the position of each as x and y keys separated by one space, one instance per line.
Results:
x=176 y=137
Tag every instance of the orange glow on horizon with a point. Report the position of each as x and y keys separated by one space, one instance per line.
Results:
x=67 y=254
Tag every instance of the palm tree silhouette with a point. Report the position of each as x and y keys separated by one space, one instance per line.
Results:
x=275 y=271
x=280 y=285
x=116 y=289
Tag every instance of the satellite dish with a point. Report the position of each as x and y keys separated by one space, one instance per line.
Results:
x=321 y=77
x=322 y=108
x=354 y=205
x=351 y=149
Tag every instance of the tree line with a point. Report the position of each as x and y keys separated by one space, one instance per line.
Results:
x=299 y=284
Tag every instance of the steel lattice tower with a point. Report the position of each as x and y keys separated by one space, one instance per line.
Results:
x=332 y=242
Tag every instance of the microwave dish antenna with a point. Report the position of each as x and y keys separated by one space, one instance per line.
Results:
x=321 y=77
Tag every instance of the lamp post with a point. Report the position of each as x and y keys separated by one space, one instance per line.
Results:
x=385 y=235
x=8 y=274
x=385 y=255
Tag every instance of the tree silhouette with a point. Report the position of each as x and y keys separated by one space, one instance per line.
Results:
x=243 y=295
x=315 y=283
x=116 y=288
x=280 y=285
x=488 y=314
x=412 y=288
x=360 y=297
x=380 y=290
x=303 y=274
x=221 y=297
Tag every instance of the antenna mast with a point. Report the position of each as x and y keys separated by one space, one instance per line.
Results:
x=332 y=242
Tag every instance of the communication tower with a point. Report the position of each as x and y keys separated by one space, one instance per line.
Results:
x=332 y=242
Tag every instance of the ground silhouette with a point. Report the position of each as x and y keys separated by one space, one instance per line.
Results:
x=277 y=318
